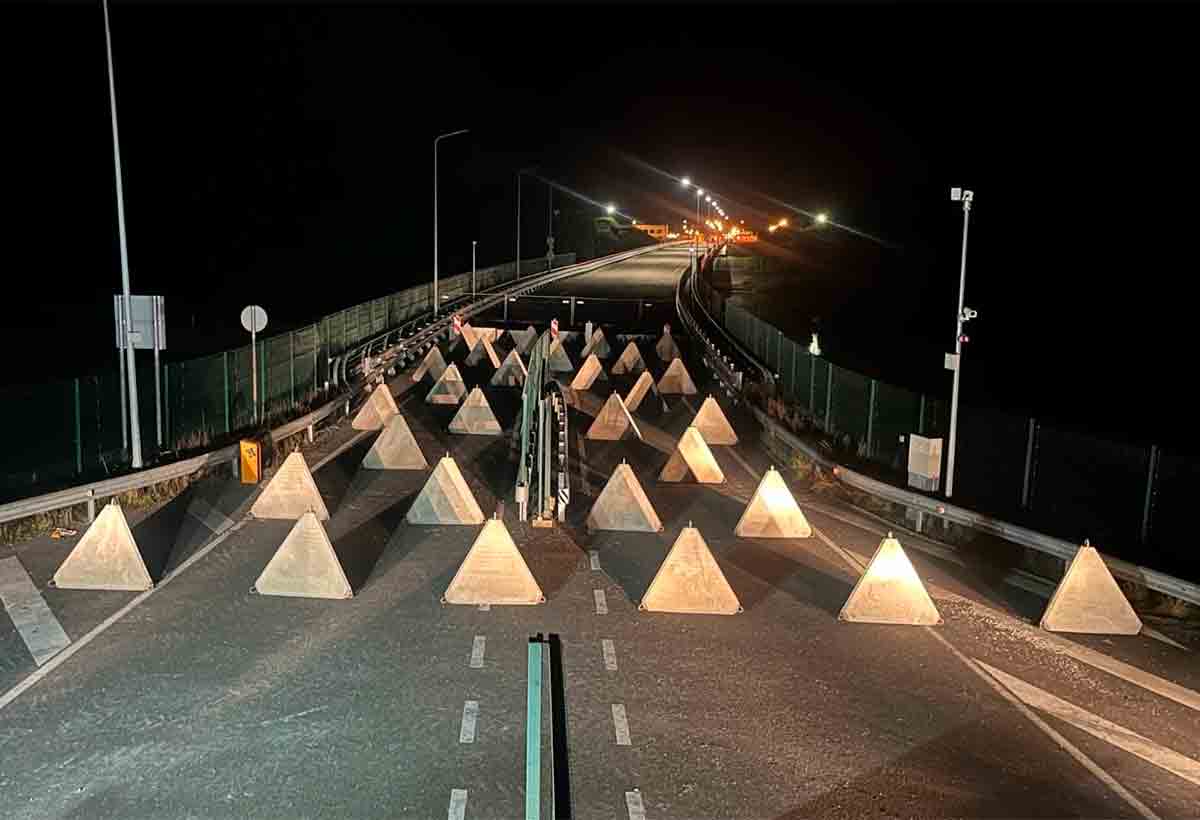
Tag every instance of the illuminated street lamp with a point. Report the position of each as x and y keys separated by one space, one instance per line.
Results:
x=965 y=314
x=610 y=209
x=822 y=218
x=435 y=213
x=685 y=182
x=783 y=223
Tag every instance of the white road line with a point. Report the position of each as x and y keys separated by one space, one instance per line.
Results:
x=610 y=654
x=755 y=474
x=478 y=647
x=1096 y=726
x=458 y=805
x=594 y=558
x=209 y=516
x=41 y=631
x=601 y=602
x=621 y=724
x=1066 y=745
x=689 y=405
x=633 y=804
x=469 y=718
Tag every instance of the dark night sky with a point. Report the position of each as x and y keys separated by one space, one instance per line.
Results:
x=282 y=154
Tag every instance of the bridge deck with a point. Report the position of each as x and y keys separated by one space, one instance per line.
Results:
x=207 y=700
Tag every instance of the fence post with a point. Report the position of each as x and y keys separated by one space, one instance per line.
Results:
x=871 y=419
x=1147 y=508
x=262 y=380
x=812 y=384
x=829 y=401
x=167 y=403
x=292 y=363
x=795 y=387
x=921 y=418
x=225 y=368
x=1026 y=484
x=78 y=433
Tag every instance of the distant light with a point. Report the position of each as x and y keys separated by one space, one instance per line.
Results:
x=685 y=182
x=771 y=228
x=708 y=199
x=699 y=192
x=611 y=209
x=783 y=222
x=822 y=218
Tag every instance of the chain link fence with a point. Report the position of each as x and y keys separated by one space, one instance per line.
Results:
x=62 y=432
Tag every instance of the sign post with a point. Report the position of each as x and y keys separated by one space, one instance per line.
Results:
x=254 y=319
x=141 y=326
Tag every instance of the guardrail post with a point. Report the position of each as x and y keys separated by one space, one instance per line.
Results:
x=91 y=506
x=78 y=433
x=1026 y=483
x=1147 y=508
x=871 y=419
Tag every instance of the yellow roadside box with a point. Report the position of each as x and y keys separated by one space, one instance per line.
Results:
x=250 y=459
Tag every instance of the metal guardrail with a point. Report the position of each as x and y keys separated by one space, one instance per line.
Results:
x=1022 y=536
x=363 y=364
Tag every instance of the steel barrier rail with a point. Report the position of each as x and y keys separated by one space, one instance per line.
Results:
x=105 y=488
x=1022 y=536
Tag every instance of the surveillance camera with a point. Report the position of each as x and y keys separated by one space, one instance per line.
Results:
x=969 y=313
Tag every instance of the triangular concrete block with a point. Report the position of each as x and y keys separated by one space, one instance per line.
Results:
x=494 y=572
x=890 y=591
x=666 y=348
x=433 y=364
x=597 y=345
x=475 y=417
x=772 y=512
x=445 y=499
x=378 y=410
x=395 y=449
x=512 y=371
x=623 y=505
x=449 y=389
x=587 y=373
x=692 y=460
x=466 y=338
x=713 y=425
x=523 y=339
x=106 y=557
x=630 y=361
x=558 y=360
x=290 y=493
x=305 y=565
x=690 y=581
x=491 y=334
x=482 y=351
x=643 y=385
x=677 y=380
x=1088 y=600
x=612 y=421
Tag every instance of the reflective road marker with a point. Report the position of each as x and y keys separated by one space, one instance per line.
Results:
x=41 y=631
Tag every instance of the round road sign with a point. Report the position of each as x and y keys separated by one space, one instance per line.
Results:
x=254 y=319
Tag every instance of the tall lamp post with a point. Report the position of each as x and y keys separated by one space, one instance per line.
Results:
x=964 y=315
x=130 y=363
x=436 y=140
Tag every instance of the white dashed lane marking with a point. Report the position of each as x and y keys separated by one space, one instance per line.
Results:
x=594 y=558
x=478 y=647
x=36 y=624
x=458 y=805
x=601 y=602
x=470 y=718
x=610 y=654
x=620 y=724
x=633 y=804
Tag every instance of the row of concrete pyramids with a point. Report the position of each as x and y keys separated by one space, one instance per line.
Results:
x=396 y=448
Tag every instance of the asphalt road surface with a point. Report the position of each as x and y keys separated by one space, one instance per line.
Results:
x=202 y=699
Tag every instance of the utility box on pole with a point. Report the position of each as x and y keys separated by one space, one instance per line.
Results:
x=924 y=463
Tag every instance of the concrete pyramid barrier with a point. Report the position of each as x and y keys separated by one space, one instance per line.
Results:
x=630 y=361
x=623 y=505
x=395 y=449
x=523 y=339
x=449 y=389
x=305 y=565
x=483 y=350
x=433 y=364
x=494 y=572
x=491 y=334
x=713 y=425
x=890 y=591
x=690 y=581
x=587 y=373
x=597 y=345
x=666 y=348
x=475 y=417
x=377 y=411
x=692 y=460
x=612 y=422
x=445 y=499
x=467 y=338
x=106 y=557
x=677 y=380
x=290 y=493
x=1088 y=600
x=643 y=385
x=557 y=360
x=511 y=372
x=773 y=512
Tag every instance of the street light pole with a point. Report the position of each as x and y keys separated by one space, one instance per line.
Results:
x=518 y=261
x=436 y=140
x=474 y=242
x=135 y=431
x=964 y=315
